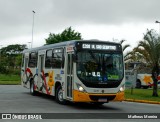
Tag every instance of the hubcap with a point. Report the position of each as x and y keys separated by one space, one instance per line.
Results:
x=60 y=95
x=32 y=88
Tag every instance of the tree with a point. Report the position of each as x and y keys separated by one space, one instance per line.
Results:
x=149 y=47
x=13 y=49
x=11 y=57
x=66 y=35
x=124 y=47
x=136 y=55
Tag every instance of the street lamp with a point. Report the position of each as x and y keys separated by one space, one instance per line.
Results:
x=32 y=28
x=29 y=45
x=159 y=25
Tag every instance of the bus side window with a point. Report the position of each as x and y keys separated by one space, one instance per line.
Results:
x=32 y=60
x=58 y=58
x=48 y=60
x=62 y=58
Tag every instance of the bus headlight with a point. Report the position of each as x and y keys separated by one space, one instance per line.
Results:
x=122 y=88
x=80 y=88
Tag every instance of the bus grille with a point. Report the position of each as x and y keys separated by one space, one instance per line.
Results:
x=96 y=98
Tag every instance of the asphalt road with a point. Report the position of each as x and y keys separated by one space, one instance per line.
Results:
x=16 y=99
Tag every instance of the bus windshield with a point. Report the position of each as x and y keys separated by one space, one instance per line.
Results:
x=99 y=66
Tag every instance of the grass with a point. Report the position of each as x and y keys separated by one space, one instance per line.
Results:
x=10 y=82
x=141 y=94
x=8 y=79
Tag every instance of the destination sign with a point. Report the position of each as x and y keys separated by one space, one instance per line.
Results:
x=98 y=46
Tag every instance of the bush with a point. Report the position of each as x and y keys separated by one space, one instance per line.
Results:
x=2 y=69
x=9 y=70
x=17 y=72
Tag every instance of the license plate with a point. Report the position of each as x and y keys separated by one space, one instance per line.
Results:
x=102 y=100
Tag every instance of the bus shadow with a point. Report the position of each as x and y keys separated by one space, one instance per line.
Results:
x=44 y=96
x=89 y=106
x=79 y=106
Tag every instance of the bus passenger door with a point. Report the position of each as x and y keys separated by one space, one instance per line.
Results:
x=70 y=75
x=40 y=83
x=25 y=75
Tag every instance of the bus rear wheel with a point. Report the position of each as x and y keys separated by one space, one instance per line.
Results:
x=59 y=96
x=32 y=91
x=145 y=87
x=138 y=84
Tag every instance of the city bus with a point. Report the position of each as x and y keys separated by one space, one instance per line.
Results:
x=89 y=71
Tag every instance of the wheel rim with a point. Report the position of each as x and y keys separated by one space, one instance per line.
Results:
x=32 y=88
x=138 y=85
x=60 y=95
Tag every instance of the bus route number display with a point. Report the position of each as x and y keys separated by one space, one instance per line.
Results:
x=98 y=46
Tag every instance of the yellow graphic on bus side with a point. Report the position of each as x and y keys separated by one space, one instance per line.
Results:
x=147 y=79
x=50 y=80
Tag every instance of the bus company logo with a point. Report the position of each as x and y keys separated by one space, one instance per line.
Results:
x=6 y=116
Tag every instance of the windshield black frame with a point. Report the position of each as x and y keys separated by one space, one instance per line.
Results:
x=92 y=68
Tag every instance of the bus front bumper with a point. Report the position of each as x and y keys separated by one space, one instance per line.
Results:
x=88 y=97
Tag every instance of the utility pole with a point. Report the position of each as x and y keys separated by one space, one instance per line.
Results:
x=32 y=27
x=159 y=26
x=29 y=45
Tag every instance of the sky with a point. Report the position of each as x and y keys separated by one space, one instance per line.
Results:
x=109 y=20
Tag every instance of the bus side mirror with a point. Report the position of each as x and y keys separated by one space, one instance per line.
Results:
x=75 y=58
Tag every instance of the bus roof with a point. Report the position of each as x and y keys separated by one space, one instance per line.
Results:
x=72 y=42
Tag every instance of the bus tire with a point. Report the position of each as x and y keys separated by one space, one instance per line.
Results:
x=32 y=91
x=138 y=84
x=59 y=96
x=145 y=87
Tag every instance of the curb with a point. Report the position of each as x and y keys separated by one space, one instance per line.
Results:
x=142 y=101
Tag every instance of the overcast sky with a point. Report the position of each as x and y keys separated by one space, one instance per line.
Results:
x=94 y=19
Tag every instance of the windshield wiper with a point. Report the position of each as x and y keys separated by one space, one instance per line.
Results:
x=93 y=56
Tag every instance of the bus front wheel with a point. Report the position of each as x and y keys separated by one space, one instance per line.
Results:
x=59 y=96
